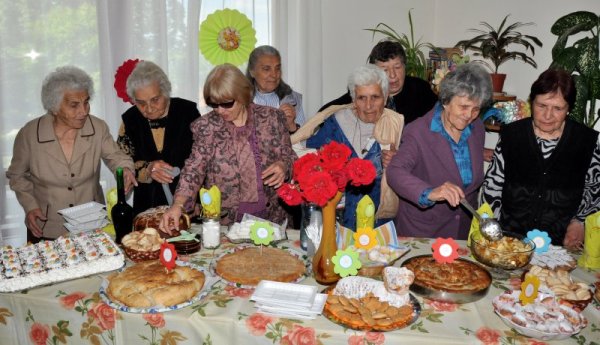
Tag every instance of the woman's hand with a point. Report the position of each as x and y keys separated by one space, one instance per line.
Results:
x=449 y=192
x=274 y=175
x=130 y=180
x=386 y=156
x=160 y=171
x=574 y=236
x=31 y=221
x=290 y=116
x=170 y=220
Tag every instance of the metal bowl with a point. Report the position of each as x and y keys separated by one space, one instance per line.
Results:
x=445 y=296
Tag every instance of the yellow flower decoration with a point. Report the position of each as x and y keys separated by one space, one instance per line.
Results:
x=261 y=233
x=365 y=238
x=226 y=36
x=529 y=289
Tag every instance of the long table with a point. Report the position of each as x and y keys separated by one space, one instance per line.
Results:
x=73 y=313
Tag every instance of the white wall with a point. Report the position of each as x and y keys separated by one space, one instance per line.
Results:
x=441 y=22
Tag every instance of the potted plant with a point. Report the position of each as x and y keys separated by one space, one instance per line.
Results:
x=494 y=44
x=416 y=63
x=582 y=58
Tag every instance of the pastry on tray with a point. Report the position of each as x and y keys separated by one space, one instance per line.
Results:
x=460 y=276
x=148 y=284
x=368 y=304
x=250 y=265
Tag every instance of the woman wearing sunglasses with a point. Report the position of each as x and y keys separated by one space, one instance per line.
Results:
x=241 y=147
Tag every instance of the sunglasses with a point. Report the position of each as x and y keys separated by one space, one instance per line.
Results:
x=224 y=105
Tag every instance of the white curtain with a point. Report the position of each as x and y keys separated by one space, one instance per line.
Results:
x=297 y=35
x=98 y=36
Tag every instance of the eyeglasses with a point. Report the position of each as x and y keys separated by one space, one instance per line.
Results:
x=224 y=105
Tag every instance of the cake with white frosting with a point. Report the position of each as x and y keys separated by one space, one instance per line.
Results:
x=65 y=258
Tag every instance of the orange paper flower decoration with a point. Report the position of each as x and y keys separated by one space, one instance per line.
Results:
x=121 y=76
x=365 y=238
x=529 y=289
x=445 y=250
x=168 y=254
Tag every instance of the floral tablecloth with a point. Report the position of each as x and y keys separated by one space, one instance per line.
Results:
x=73 y=313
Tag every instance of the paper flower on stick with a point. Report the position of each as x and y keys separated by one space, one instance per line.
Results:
x=365 y=238
x=226 y=36
x=541 y=240
x=121 y=76
x=445 y=250
x=261 y=233
x=529 y=289
x=346 y=262
x=211 y=202
x=168 y=254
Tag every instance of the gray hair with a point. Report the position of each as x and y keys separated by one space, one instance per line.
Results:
x=64 y=79
x=368 y=75
x=282 y=89
x=144 y=74
x=470 y=80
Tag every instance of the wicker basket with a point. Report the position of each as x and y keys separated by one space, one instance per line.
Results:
x=371 y=271
x=137 y=256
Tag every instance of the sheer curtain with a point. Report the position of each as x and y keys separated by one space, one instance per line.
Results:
x=98 y=36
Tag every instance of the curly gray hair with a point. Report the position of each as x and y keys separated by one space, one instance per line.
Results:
x=146 y=73
x=470 y=80
x=368 y=75
x=65 y=78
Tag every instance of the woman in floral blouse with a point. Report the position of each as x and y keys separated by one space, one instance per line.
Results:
x=242 y=148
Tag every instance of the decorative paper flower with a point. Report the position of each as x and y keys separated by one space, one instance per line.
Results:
x=445 y=250
x=261 y=233
x=365 y=213
x=168 y=254
x=529 y=289
x=226 y=36
x=541 y=240
x=121 y=76
x=211 y=202
x=319 y=176
x=346 y=262
x=365 y=238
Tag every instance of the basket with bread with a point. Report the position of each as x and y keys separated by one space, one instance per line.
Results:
x=142 y=245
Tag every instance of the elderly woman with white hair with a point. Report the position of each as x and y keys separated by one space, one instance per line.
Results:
x=56 y=157
x=371 y=132
x=156 y=134
x=440 y=160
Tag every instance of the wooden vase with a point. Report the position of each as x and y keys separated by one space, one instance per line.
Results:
x=322 y=261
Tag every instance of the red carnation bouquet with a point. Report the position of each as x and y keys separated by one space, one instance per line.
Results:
x=319 y=176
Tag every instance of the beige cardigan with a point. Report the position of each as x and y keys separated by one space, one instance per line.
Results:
x=42 y=178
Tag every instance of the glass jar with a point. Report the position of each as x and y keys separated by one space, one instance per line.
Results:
x=211 y=233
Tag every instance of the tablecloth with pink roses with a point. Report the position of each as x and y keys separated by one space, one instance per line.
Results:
x=73 y=313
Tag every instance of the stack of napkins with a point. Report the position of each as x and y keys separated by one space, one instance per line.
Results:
x=288 y=300
x=84 y=217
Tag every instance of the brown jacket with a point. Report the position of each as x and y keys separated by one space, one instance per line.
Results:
x=42 y=178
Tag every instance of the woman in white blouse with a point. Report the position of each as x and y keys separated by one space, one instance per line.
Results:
x=264 y=71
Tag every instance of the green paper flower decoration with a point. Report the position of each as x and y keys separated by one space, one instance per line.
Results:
x=346 y=262
x=261 y=233
x=227 y=36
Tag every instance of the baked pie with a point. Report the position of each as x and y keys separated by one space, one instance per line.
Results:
x=147 y=284
x=460 y=276
x=250 y=265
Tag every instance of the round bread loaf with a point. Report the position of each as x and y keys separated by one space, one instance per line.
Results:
x=151 y=219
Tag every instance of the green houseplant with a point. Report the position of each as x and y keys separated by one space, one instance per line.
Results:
x=416 y=63
x=495 y=44
x=581 y=60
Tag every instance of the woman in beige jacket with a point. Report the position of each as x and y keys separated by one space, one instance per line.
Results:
x=56 y=157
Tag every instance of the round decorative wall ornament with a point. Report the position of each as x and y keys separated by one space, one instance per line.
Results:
x=226 y=36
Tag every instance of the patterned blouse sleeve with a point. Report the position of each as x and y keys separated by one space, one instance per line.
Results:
x=494 y=181
x=142 y=174
x=590 y=202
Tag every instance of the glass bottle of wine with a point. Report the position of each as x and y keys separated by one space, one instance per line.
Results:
x=121 y=213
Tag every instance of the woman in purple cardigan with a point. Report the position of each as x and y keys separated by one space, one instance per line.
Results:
x=242 y=148
x=440 y=159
